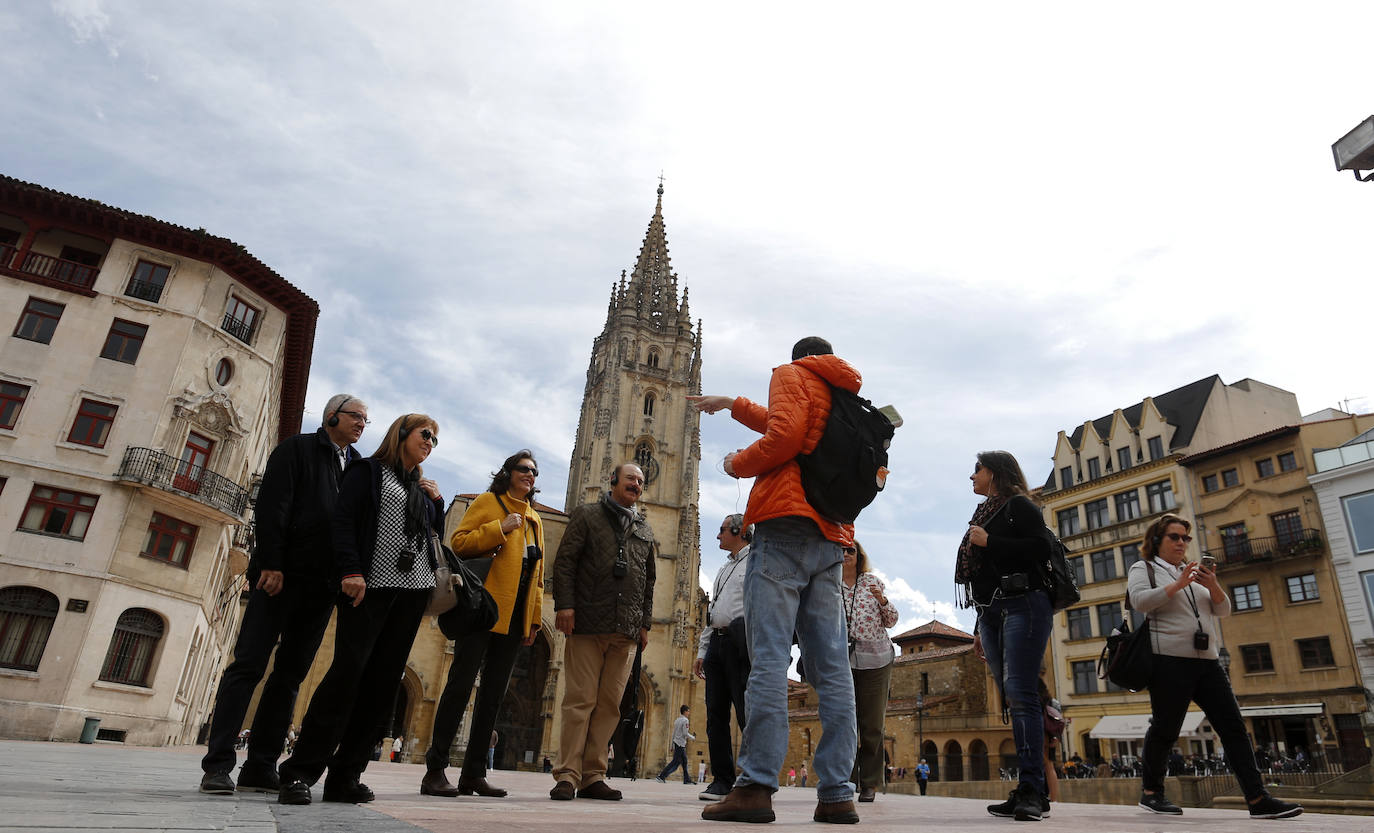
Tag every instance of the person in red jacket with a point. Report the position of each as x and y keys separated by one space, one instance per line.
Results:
x=793 y=586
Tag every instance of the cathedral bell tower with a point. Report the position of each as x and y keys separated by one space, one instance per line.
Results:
x=644 y=363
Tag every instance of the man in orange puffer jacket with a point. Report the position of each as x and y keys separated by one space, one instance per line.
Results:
x=793 y=586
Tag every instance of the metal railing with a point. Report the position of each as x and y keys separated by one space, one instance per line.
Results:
x=1238 y=550
x=6 y=254
x=67 y=272
x=144 y=290
x=239 y=329
x=244 y=536
x=155 y=468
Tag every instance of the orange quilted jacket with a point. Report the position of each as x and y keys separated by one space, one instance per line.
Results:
x=792 y=424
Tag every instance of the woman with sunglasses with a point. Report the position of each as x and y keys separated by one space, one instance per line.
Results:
x=501 y=522
x=385 y=525
x=1184 y=601
x=1000 y=572
x=869 y=614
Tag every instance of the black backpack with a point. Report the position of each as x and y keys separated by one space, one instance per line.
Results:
x=840 y=476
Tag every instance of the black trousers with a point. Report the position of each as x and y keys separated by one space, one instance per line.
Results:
x=1174 y=683
x=352 y=706
x=297 y=616
x=727 y=671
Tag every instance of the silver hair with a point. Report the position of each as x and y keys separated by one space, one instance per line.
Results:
x=335 y=403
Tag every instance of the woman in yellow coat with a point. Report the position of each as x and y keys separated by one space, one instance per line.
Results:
x=501 y=521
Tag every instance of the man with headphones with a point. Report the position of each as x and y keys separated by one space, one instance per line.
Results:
x=723 y=655
x=291 y=574
x=603 y=597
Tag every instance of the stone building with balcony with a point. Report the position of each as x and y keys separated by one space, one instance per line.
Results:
x=147 y=372
x=1112 y=477
x=1288 y=643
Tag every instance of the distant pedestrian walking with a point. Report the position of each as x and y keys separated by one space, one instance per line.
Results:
x=681 y=735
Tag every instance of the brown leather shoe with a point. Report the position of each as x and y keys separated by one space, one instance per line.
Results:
x=836 y=812
x=866 y=794
x=563 y=791
x=601 y=790
x=468 y=786
x=436 y=783
x=751 y=802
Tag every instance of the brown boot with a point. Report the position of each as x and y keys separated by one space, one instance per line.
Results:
x=751 y=802
x=866 y=794
x=468 y=785
x=436 y=783
x=836 y=812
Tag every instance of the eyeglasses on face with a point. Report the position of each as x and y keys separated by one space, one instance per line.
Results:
x=524 y=469
x=429 y=437
x=359 y=416
x=1179 y=536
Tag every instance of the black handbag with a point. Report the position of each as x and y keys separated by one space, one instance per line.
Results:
x=475 y=610
x=1127 y=660
x=1058 y=576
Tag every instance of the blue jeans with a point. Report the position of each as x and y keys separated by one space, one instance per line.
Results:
x=1015 y=632
x=679 y=760
x=792 y=569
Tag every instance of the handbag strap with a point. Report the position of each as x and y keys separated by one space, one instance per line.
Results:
x=1149 y=571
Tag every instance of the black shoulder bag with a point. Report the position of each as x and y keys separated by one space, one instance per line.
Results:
x=1127 y=660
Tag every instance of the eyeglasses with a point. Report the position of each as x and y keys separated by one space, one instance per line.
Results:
x=1178 y=536
x=524 y=469
x=359 y=416
x=977 y=467
x=429 y=437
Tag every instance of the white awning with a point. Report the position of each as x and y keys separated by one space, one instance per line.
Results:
x=1304 y=709
x=1134 y=726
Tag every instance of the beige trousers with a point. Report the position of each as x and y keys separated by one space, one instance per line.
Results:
x=595 y=669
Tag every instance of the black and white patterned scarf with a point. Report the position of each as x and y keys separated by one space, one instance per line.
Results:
x=970 y=556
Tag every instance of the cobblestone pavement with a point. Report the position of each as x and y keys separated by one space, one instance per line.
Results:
x=109 y=787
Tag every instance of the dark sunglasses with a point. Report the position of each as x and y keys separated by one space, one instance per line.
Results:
x=850 y=550
x=1179 y=536
x=524 y=469
x=429 y=437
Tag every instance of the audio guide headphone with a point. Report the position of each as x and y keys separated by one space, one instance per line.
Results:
x=333 y=421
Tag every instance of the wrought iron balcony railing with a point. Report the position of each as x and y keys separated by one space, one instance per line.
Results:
x=1244 y=550
x=238 y=328
x=155 y=468
x=144 y=291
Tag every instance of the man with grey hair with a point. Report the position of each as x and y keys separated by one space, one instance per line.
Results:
x=293 y=591
x=723 y=655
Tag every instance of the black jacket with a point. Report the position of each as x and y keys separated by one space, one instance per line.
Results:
x=295 y=509
x=1018 y=542
x=355 y=519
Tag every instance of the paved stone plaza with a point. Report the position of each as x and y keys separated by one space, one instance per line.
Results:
x=59 y=786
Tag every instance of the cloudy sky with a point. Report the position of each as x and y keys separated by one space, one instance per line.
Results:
x=1011 y=217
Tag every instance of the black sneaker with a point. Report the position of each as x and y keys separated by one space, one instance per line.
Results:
x=1028 y=806
x=217 y=783
x=1157 y=803
x=258 y=781
x=715 y=791
x=296 y=792
x=1044 y=806
x=1270 y=807
x=1006 y=809
x=354 y=793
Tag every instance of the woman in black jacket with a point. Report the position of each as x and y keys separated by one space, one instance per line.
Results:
x=385 y=559
x=1000 y=569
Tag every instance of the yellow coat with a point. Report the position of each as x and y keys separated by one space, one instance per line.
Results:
x=479 y=533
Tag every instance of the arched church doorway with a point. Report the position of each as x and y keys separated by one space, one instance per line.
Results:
x=520 y=723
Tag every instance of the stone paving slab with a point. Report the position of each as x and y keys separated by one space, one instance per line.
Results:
x=49 y=787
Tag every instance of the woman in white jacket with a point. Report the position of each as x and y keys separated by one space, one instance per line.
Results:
x=1184 y=603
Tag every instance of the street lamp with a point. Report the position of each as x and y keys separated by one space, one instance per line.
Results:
x=1354 y=151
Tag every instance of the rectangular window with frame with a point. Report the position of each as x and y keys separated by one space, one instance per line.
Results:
x=1108 y=617
x=169 y=540
x=1123 y=458
x=1080 y=575
x=1302 y=588
x=1287 y=527
x=124 y=341
x=1367 y=581
x=1128 y=506
x=92 y=423
x=1094 y=468
x=1104 y=565
x=1210 y=483
x=1316 y=653
x=240 y=319
x=1160 y=496
x=1080 y=623
x=1085 y=677
x=1156 y=445
x=1097 y=514
x=1068 y=522
x=39 y=320
x=1066 y=477
x=12 y=398
x=1288 y=461
x=1235 y=541
x=1256 y=658
x=1265 y=467
x=1230 y=477
x=1246 y=597
x=148 y=281
x=58 y=512
x=1359 y=516
x=1130 y=554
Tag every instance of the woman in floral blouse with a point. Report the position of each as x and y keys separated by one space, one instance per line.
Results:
x=869 y=614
